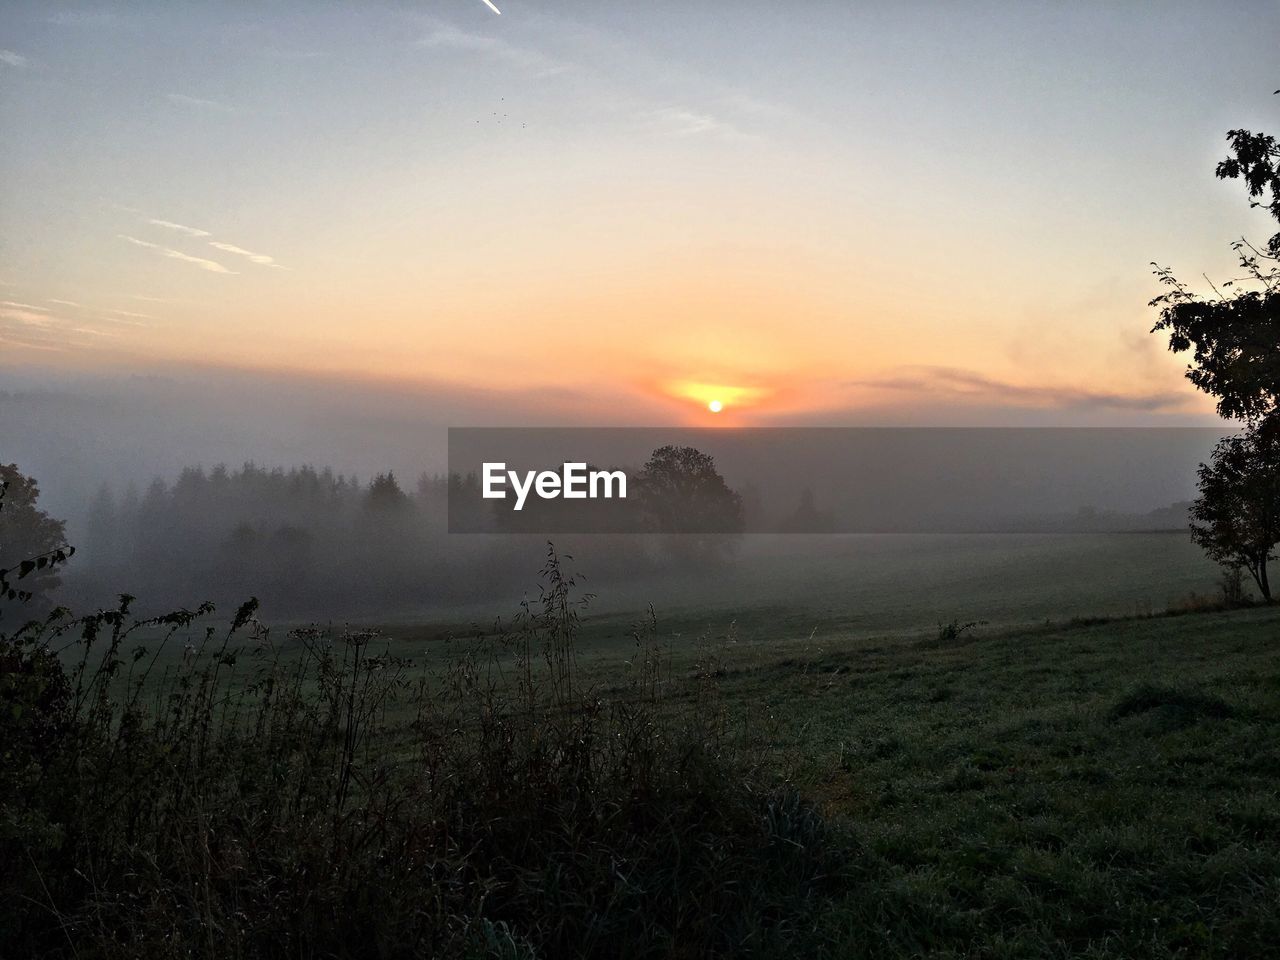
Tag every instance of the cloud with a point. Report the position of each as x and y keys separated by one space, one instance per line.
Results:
x=123 y=322
x=13 y=59
x=449 y=37
x=211 y=265
x=261 y=258
x=621 y=63
x=180 y=228
x=137 y=316
x=971 y=384
x=26 y=316
x=183 y=100
x=750 y=106
x=681 y=122
x=138 y=296
x=33 y=327
x=18 y=340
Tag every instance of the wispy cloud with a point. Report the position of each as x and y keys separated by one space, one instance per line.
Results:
x=621 y=65
x=180 y=228
x=127 y=313
x=26 y=315
x=261 y=258
x=211 y=265
x=145 y=299
x=33 y=327
x=13 y=59
x=17 y=340
x=748 y=105
x=183 y=100
x=682 y=122
x=970 y=384
x=447 y=36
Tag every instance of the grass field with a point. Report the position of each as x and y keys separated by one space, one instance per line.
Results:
x=1100 y=787
x=1104 y=790
x=781 y=586
x=1044 y=784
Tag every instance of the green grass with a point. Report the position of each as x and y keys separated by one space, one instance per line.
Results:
x=1090 y=787
x=1103 y=790
x=1100 y=787
x=780 y=586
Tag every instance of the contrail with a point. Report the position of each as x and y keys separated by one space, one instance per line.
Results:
x=489 y=4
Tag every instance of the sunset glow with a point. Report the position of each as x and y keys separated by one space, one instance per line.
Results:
x=410 y=196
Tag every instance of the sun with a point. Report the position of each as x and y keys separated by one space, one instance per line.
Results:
x=715 y=406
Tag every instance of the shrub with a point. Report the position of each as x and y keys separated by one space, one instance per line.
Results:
x=324 y=797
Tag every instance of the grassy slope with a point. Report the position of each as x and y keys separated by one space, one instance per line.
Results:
x=1106 y=789
x=1101 y=790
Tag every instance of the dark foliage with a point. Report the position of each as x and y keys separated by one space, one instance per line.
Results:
x=32 y=543
x=1235 y=334
x=1236 y=519
x=1235 y=339
x=322 y=797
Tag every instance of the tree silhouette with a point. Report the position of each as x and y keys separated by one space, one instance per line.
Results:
x=682 y=495
x=1234 y=336
x=385 y=496
x=32 y=543
x=1235 y=333
x=1236 y=520
x=682 y=492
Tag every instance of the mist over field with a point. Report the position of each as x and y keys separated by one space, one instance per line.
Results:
x=184 y=488
x=936 y=347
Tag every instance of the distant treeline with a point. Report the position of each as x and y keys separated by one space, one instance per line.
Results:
x=306 y=541
x=311 y=543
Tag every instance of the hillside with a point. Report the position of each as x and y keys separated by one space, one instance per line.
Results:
x=1107 y=789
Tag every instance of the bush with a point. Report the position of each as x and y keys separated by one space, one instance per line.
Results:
x=323 y=797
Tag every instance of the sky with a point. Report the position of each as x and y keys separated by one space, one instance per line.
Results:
x=610 y=212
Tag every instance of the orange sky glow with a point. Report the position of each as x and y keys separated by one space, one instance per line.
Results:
x=808 y=226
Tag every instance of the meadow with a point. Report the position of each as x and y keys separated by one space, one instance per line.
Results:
x=1099 y=789
x=1010 y=767
x=789 y=587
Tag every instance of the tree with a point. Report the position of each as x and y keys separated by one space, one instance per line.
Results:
x=1234 y=336
x=1236 y=520
x=385 y=496
x=1235 y=333
x=32 y=543
x=681 y=494
x=807 y=518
